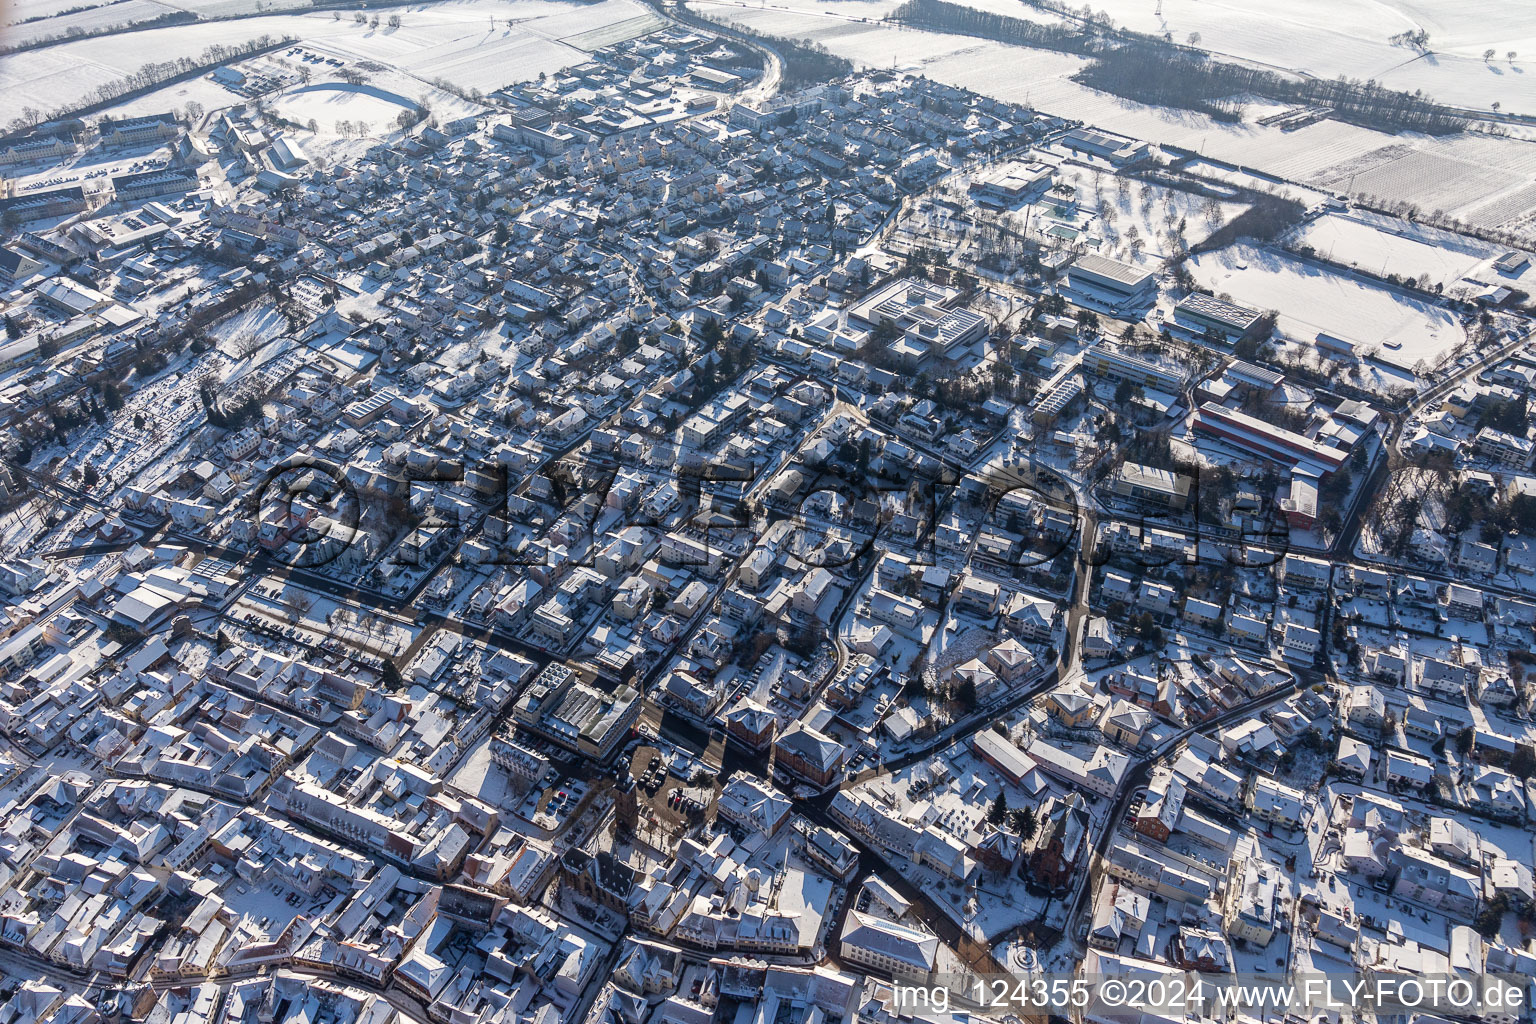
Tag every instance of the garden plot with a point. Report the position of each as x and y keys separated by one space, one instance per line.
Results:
x=1430 y=180
x=1386 y=245
x=1311 y=300
x=1509 y=210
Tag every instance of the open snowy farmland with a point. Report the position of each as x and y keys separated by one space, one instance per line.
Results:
x=126 y=12
x=1329 y=38
x=1481 y=179
x=19 y=11
x=1477 y=178
x=479 y=45
x=472 y=44
x=1313 y=300
x=1379 y=244
x=51 y=19
x=853 y=30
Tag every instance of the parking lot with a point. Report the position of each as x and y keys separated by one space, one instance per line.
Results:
x=671 y=800
x=93 y=165
x=555 y=806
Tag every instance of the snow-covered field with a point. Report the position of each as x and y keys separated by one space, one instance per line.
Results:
x=1485 y=180
x=1329 y=38
x=33 y=19
x=18 y=11
x=328 y=104
x=473 y=44
x=851 y=29
x=1387 y=245
x=1311 y=300
x=203 y=91
x=243 y=335
x=125 y=12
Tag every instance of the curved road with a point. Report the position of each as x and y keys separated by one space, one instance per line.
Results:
x=773 y=63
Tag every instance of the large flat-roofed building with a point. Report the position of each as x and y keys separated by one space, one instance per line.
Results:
x=947 y=331
x=1107 y=362
x=896 y=301
x=918 y=309
x=590 y=722
x=1254 y=376
x=563 y=708
x=1200 y=313
x=1158 y=486
x=1012 y=183
x=1511 y=263
x=1056 y=400
x=1120 y=285
x=1117 y=149
x=1267 y=440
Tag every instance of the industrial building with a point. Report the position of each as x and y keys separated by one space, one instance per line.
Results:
x=1267 y=440
x=1110 y=282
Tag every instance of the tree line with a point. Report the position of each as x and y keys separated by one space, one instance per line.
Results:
x=1151 y=70
x=149 y=75
x=1154 y=71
